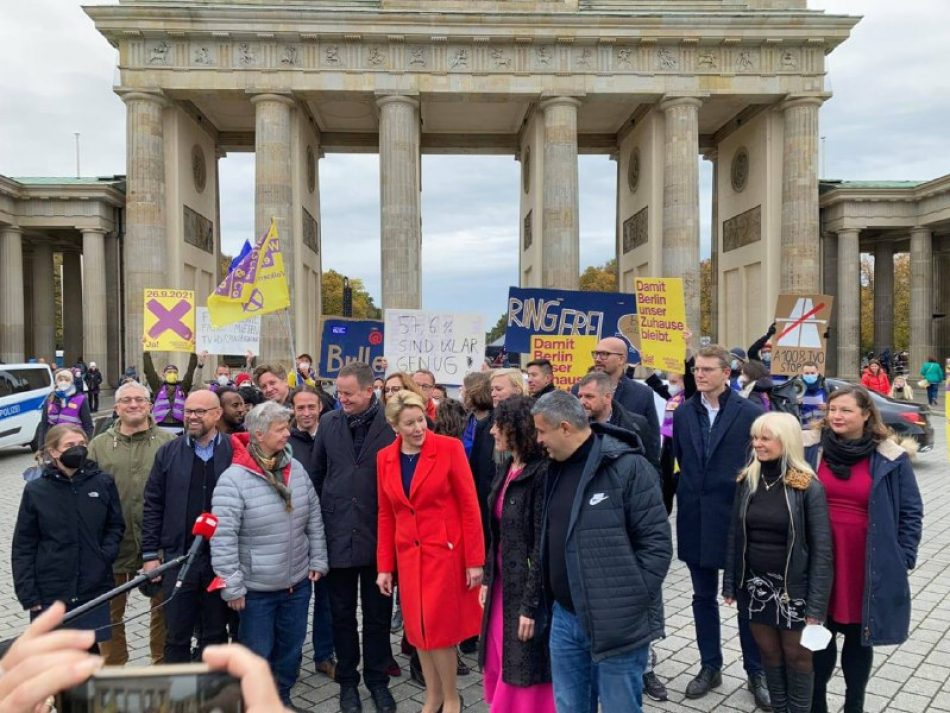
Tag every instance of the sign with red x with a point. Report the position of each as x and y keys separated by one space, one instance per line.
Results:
x=169 y=320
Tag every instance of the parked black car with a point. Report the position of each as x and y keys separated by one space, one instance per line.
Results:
x=905 y=418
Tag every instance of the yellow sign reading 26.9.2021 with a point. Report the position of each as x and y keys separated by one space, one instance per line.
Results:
x=169 y=322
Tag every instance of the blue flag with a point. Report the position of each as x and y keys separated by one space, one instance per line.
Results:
x=241 y=255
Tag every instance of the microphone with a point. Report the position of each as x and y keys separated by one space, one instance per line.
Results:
x=203 y=530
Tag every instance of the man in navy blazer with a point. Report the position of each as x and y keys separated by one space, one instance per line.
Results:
x=711 y=441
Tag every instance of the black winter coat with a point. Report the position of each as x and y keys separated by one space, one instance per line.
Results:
x=346 y=484
x=649 y=437
x=66 y=537
x=636 y=398
x=809 y=570
x=619 y=545
x=302 y=444
x=165 y=529
x=523 y=663
x=481 y=460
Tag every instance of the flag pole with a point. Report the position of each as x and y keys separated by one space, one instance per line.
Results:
x=293 y=347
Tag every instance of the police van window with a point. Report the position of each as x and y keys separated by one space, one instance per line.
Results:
x=18 y=381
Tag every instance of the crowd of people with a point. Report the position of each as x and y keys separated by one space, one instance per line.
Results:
x=521 y=521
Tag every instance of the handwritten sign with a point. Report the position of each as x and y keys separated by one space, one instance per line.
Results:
x=801 y=322
x=661 y=309
x=450 y=345
x=169 y=321
x=570 y=356
x=237 y=338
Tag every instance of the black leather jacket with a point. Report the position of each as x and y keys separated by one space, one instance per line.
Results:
x=809 y=570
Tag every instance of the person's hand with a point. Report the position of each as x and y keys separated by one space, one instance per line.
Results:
x=771 y=330
x=812 y=621
x=44 y=661
x=483 y=596
x=525 y=628
x=151 y=565
x=474 y=577
x=687 y=335
x=384 y=580
x=201 y=359
x=257 y=683
x=237 y=604
x=729 y=601
x=314 y=575
x=248 y=357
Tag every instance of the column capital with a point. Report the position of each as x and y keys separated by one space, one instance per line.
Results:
x=410 y=98
x=848 y=231
x=285 y=98
x=11 y=229
x=711 y=155
x=100 y=231
x=921 y=230
x=795 y=100
x=548 y=101
x=668 y=101
x=128 y=94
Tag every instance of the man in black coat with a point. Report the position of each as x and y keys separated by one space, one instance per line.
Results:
x=711 y=443
x=344 y=474
x=178 y=490
x=540 y=377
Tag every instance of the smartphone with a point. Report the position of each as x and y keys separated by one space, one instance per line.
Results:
x=179 y=688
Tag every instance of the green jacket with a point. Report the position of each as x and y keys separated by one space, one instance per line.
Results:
x=128 y=459
x=932 y=372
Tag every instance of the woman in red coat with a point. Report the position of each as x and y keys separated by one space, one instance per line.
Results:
x=430 y=530
x=875 y=379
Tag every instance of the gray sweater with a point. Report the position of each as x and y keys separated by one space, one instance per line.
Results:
x=258 y=545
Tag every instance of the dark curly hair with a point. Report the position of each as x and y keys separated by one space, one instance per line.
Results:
x=450 y=418
x=513 y=418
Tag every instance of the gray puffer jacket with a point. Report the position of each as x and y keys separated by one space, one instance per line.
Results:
x=258 y=545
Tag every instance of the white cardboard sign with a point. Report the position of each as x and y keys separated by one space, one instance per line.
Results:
x=448 y=344
x=234 y=339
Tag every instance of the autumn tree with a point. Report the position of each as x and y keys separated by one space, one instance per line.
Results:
x=331 y=290
x=498 y=329
x=901 y=303
x=705 y=298
x=600 y=279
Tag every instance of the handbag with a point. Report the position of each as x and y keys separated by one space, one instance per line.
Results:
x=923 y=384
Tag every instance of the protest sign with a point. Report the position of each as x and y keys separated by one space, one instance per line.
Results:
x=169 y=322
x=561 y=313
x=450 y=345
x=235 y=339
x=570 y=357
x=350 y=340
x=801 y=322
x=661 y=309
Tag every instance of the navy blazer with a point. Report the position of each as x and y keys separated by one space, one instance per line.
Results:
x=707 y=478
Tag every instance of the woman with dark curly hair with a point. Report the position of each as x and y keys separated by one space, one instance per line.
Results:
x=514 y=646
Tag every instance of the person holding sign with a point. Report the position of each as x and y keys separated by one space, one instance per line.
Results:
x=169 y=392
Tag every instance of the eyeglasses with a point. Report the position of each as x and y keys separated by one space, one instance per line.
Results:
x=126 y=400
x=199 y=412
x=426 y=387
x=604 y=355
x=707 y=369
x=392 y=389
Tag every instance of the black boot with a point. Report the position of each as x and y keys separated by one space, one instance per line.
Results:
x=778 y=690
x=800 y=689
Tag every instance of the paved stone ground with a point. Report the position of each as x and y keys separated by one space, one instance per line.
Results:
x=913 y=677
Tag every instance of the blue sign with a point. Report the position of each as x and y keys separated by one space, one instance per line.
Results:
x=350 y=340
x=570 y=312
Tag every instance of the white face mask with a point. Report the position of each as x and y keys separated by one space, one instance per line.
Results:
x=63 y=385
x=674 y=389
x=304 y=366
x=223 y=380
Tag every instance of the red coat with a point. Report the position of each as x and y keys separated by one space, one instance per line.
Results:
x=880 y=383
x=430 y=538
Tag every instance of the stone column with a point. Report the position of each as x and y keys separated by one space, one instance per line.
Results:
x=146 y=245
x=800 y=249
x=72 y=282
x=681 y=199
x=115 y=329
x=829 y=277
x=94 y=278
x=883 y=296
x=921 y=297
x=44 y=308
x=11 y=295
x=273 y=198
x=849 y=303
x=560 y=231
x=713 y=156
x=400 y=201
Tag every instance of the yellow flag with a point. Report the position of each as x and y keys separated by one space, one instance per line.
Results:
x=255 y=286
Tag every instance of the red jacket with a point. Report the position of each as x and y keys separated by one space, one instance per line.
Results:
x=880 y=383
x=430 y=538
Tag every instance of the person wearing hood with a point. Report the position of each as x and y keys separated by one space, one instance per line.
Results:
x=67 y=532
x=170 y=391
x=93 y=379
x=126 y=451
x=65 y=406
x=606 y=549
x=738 y=357
x=270 y=542
x=755 y=384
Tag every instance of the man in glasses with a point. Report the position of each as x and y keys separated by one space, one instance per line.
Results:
x=127 y=450
x=178 y=490
x=711 y=441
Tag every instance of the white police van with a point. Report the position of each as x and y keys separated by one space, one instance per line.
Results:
x=23 y=390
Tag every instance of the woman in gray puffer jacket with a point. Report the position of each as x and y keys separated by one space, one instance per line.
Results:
x=269 y=545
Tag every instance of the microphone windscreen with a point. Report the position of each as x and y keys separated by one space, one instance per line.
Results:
x=205 y=526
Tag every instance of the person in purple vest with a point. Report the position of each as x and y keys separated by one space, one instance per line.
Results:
x=65 y=405
x=169 y=392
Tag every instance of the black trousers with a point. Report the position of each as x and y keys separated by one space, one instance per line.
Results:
x=345 y=585
x=191 y=609
x=93 y=401
x=856 y=663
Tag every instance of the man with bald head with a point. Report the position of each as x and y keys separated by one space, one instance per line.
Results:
x=178 y=490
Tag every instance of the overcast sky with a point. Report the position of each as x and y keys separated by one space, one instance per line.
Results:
x=887 y=120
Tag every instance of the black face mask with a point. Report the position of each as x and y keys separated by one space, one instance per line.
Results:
x=73 y=457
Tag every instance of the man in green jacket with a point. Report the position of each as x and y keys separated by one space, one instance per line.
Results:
x=126 y=452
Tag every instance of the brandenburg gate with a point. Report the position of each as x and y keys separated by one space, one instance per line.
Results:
x=654 y=84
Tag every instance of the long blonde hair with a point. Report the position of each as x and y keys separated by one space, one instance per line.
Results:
x=787 y=430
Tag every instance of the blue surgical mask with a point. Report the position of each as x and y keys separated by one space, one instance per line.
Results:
x=810 y=379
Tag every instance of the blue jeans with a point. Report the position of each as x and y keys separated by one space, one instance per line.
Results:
x=619 y=679
x=932 y=394
x=274 y=626
x=706 y=619
x=322 y=623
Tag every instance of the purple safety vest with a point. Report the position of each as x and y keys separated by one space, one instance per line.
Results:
x=68 y=413
x=164 y=405
x=666 y=430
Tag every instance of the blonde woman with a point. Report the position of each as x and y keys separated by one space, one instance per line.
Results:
x=901 y=390
x=779 y=566
x=506 y=383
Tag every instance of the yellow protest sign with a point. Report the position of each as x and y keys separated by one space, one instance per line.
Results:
x=570 y=356
x=661 y=312
x=169 y=321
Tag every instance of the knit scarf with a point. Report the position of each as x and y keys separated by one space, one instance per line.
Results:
x=272 y=467
x=840 y=454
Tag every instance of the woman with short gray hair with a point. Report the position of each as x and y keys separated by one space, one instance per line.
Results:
x=270 y=543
